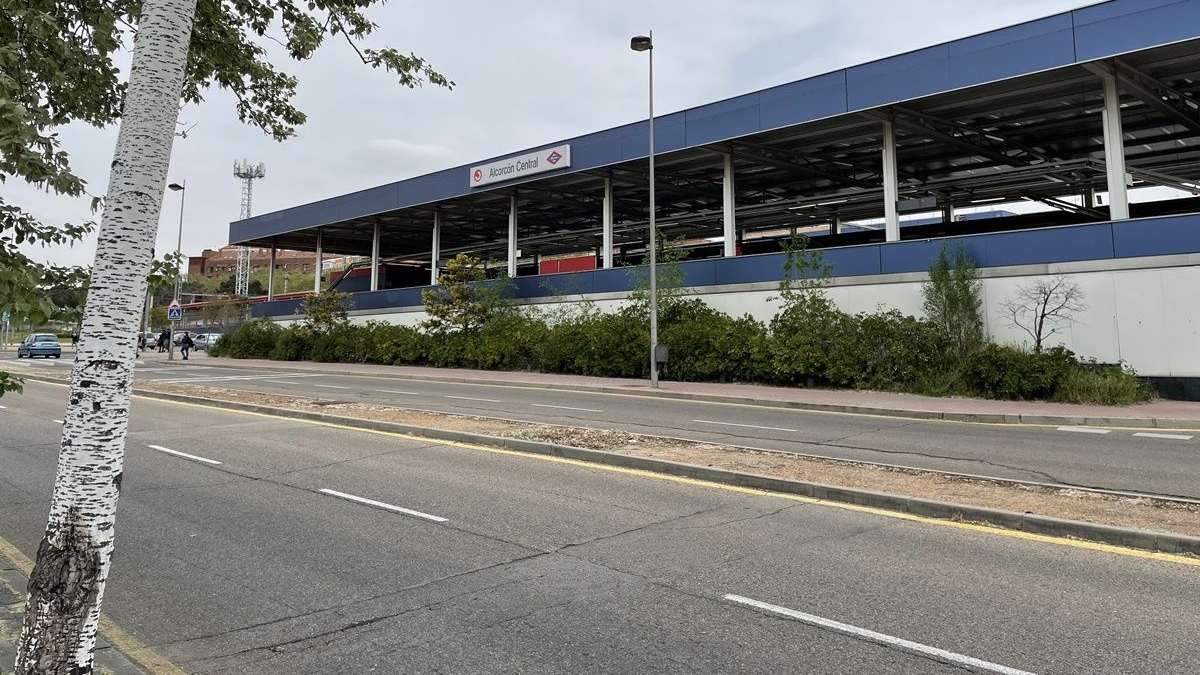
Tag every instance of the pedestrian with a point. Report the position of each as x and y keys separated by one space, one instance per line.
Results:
x=164 y=339
x=185 y=345
x=74 y=337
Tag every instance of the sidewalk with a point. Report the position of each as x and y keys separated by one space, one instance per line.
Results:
x=1162 y=414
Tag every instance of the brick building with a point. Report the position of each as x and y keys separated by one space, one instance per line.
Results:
x=223 y=261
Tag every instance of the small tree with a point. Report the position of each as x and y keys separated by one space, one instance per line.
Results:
x=953 y=295
x=325 y=312
x=668 y=281
x=464 y=301
x=1043 y=307
x=805 y=272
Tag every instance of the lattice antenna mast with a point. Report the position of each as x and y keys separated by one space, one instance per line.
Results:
x=247 y=172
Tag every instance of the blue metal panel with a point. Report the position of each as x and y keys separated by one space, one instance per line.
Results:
x=749 y=269
x=530 y=287
x=1027 y=48
x=804 y=101
x=699 y=272
x=1113 y=28
x=1157 y=236
x=1030 y=247
x=615 y=280
x=899 y=78
x=853 y=261
x=670 y=132
x=911 y=256
x=275 y=309
x=570 y=283
x=721 y=121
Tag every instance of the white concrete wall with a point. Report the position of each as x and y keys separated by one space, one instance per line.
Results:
x=1147 y=317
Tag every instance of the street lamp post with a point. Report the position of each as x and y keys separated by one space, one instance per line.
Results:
x=645 y=43
x=181 y=188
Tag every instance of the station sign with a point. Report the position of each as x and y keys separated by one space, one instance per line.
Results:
x=548 y=159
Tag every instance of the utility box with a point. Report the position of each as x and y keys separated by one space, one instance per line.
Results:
x=660 y=353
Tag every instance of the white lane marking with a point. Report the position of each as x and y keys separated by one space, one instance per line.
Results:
x=880 y=638
x=330 y=386
x=58 y=421
x=468 y=398
x=1085 y=430
x=3 y=407
x=393 y=391
x=564 y=407
x=745 y=426
x=183 y=454
x=1169 y=437
x=228 y=378
x=294 y=384
x=389 y=507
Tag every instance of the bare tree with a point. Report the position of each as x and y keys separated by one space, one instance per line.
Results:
x=1044 y=307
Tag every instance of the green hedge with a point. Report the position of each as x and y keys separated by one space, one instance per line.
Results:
x=810 y=341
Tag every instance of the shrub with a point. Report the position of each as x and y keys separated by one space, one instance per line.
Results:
x=1005 y=372
x=395 y=345
x=252 y=340
x=1103 y=384
x=598 y=344
x=886 y=351
x=803 y=336
x=506 y=342
x=704 y=344
x=293 y=344
x=340 y=344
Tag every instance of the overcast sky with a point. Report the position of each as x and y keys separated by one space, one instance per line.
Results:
x=527 y=73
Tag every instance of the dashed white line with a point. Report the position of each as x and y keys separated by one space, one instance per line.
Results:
x=468 y=398
x=3 y=407
x=1169 y=437
x=183 y=454
x=564 y=407
x=58 y=421
x=393 y=391
x=382 y=505
x=1085 y=430
x=879 y=638
x=293 y=384
x=744 y=426
x=226 y=378
x=330 y=386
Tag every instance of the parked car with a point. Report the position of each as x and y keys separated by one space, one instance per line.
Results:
x=40 y=344
x=179 y=336
x=205 y=340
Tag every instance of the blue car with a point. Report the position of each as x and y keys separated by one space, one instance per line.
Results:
x=40 y=344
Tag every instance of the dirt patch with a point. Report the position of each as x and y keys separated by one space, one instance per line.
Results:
x=1141 y=514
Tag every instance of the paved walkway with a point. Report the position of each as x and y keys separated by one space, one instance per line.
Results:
x=1160 y=414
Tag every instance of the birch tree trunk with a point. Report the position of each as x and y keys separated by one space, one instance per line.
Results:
x=67 y=585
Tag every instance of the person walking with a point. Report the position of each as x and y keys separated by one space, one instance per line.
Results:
x=164 y=339
x=185 y=345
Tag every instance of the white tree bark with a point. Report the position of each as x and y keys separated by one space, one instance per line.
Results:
x=67 y=584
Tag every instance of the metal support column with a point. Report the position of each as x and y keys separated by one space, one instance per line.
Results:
x=729 y=195
x=375 y=258
x=271 y=274
x=435 y=252
x=320 y=257
x=1114 y=151
x=512 y=236
x=891 y=189
x=607 y=225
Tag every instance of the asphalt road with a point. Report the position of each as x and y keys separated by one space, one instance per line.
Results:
x=504 y=563
x=1121 y=459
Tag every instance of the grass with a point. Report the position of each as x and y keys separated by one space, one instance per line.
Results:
x=1108 y=385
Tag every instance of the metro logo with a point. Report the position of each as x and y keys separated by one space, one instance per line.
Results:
x=554 y=157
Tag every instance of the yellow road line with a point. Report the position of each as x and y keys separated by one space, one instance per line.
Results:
x=129 y=646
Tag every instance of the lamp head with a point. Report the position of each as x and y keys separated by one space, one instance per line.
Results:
x=176 y=186
x=641 y=43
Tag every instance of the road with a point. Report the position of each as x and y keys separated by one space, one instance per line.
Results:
x=1135 y=460
x=502 y=563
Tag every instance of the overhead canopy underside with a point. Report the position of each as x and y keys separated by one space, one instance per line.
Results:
x=1035 y=138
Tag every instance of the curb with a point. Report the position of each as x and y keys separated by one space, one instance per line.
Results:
x=965 y=417
x=1165 y=542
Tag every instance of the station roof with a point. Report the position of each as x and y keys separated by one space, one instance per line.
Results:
x=1009 y=115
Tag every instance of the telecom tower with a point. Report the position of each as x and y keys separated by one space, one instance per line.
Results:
x=247 y=172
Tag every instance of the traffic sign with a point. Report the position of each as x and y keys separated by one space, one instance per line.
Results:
x=174 y=311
